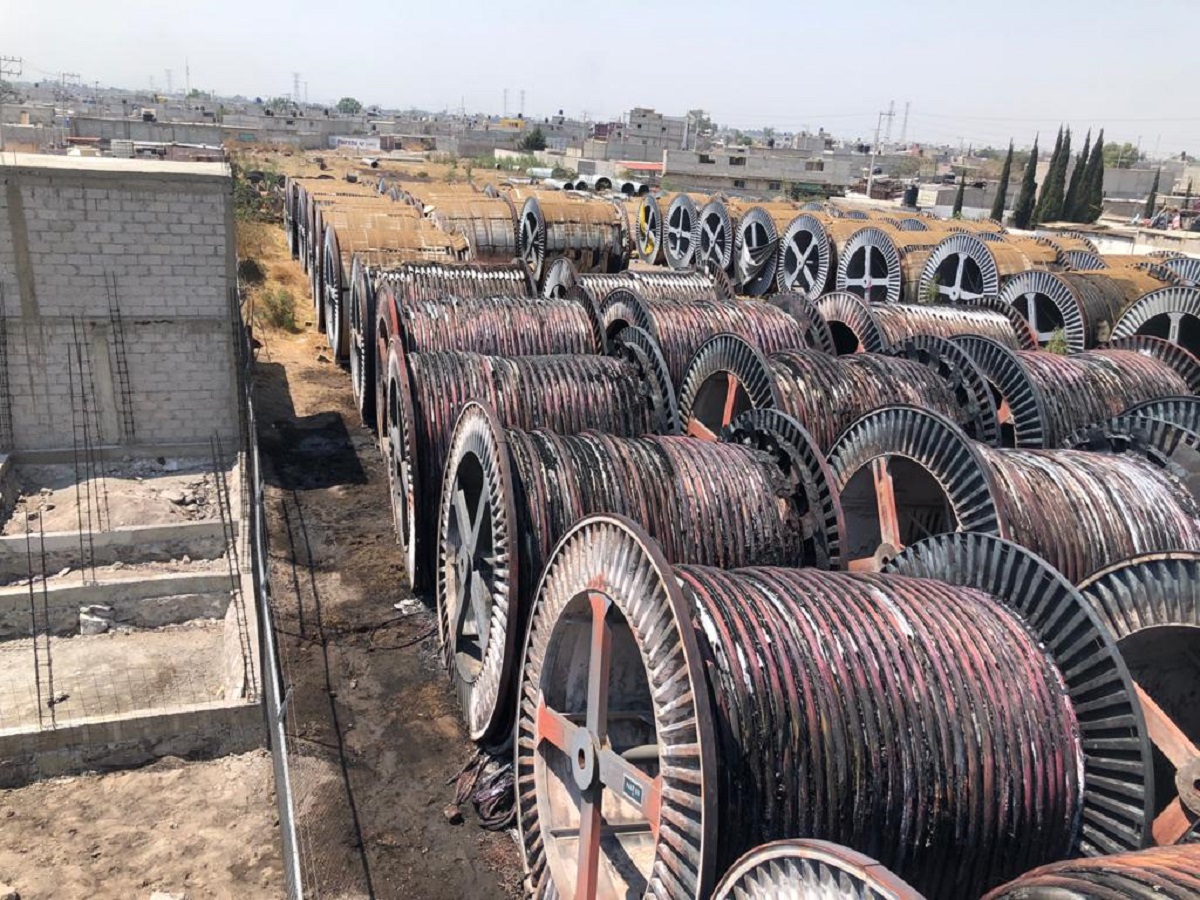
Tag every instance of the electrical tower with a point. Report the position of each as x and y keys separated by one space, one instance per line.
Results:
x=10 y=67
x=296 y=88
x=904 y=124
x=522 y=103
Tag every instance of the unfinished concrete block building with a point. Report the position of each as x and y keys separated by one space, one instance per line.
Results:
x=127 y=627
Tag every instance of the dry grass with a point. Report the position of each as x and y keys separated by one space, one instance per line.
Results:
x=257 y=240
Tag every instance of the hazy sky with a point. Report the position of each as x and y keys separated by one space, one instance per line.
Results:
x=1022 y=67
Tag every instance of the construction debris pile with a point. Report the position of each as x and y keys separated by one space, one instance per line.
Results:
x=791 y=551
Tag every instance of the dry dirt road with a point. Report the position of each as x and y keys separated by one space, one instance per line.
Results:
x=376 y=730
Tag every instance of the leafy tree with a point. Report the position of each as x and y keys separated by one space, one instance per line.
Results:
x=348 y=106
x=1093 y=182
x=7 y=91
x=196 y=94
x=1120 y=156
x=1039 y=211
x=1023 y=208
x=535 y=140
x=278 y=104
x=1071 y=211
x=1152 y=198
x=1002 y=187
x=960 y=196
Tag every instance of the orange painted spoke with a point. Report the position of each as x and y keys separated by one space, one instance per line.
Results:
x=731 y=390
x=1165 y=734
x=1171 y=824
x=632 y=785
x=697 y=429
x=598 y=668
x=587 y=886
x=885 y=494
x=554 y=727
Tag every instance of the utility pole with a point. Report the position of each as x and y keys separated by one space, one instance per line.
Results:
x=187 y=75
x=522 y=103
x=10 y=67
x=169 y=81
x=296 y=88
x=874 y=150
x=506 y=103
x=891 y=116
x=904 y=125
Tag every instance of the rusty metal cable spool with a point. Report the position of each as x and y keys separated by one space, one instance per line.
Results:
x=659 y=284
x=1181 y=411
x=1163 y=873
x=715 y=236
x=628 y=393
x=729 y=375
x=904 y=473
x=381 y=241
x=650 y=228
x=679 y=233
x=883 y=264
x=561 y=277
x=508 y=496
x=588 y=232
x=1151 y=605
x=1171 y=313
x=964 y=266
x=984 y=227
x=378 y=322
x=834 y=706
x=817 y=335
x=681 y=325
x=1083 y=261
x=1081 y=306
x=858 y=326
x=1165 y=443
x=807 y=256
x=1064 y=242
x=490 y=226
x=796 y=869
x=1186 y=268
x=1043 y=398
x=756 y=246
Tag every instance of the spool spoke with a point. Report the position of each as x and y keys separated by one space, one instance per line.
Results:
x=589 y=848
x=697 y=429
x=632 y=785
x=885 y=494
x=731 y=392
x=554 y=727
x=1164 y=733
x=599 y=665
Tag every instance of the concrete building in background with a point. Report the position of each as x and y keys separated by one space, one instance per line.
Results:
x=760 y=171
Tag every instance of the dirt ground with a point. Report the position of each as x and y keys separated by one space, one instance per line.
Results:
x=206 y=830
x=377 y=734
x=136 y=492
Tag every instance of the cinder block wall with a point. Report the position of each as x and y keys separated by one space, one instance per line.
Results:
x=164 y=231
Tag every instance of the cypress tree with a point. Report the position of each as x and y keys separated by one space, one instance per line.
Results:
x=1092 y=191
x=1002 y=187
x=958 y=200
x=1148 y=209
x=1023 y=208
x=1071 y=210
x=1053 y=211
x=1044 y=194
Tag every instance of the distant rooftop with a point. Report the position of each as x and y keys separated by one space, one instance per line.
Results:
x=111 y=164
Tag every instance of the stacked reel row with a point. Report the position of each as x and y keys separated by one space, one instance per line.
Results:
x=683 y=670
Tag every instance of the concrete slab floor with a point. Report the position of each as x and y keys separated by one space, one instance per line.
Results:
x=103 y=674
x=122 y=493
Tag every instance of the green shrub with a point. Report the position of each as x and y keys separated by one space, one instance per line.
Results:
x=277 y=308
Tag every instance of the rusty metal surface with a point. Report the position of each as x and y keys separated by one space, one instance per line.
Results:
x=656 y=284
x=489 y=225
x=589 y=232
x=1045 y=397
x=1171 y=313
x=825 y=394
x=1169 y=873
x=883 y=264
x=682 y=325
x=791 y=733
x=1079 y=510
x=722 y=504
x=796 y=869
x=859 y=326
x=567 y=394
x=798 y=778
x=1081 y=307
